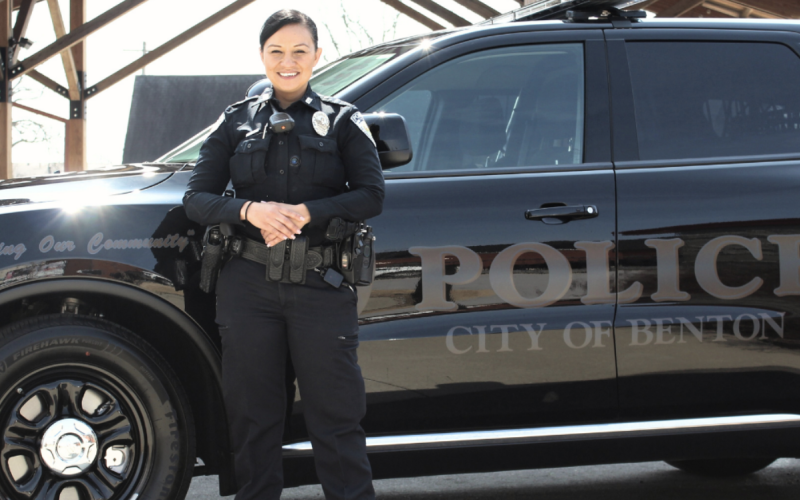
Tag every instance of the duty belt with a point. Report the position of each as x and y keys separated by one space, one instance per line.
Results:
x=287 y=261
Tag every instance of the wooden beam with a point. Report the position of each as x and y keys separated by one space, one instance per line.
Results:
x=413 y=14
x=18 y=3
x=680 y=8
x=5 y=94
x=446 y=14
x=479 y=8
x=644 y=5
x=75 y=154
x=47 y=82
x=21 y=26
x=740 y=9
x=167 y=47
x=74 y=37
x=42 y=113
x=77 y=16
x=66 y=55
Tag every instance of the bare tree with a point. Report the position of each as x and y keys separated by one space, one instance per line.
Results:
x=26 y=131
x=354 y=35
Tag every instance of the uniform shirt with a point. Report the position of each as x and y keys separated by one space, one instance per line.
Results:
x=337 y=174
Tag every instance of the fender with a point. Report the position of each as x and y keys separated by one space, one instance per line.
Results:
x=196 y=358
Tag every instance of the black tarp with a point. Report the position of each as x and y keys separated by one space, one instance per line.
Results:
x=168 y=110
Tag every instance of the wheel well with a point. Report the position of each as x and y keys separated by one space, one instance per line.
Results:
x=191 y=353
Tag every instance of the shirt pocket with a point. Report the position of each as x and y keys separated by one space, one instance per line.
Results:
x=320 y=156
x=247 y=165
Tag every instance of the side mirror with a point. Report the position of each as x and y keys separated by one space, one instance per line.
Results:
x=391 y=137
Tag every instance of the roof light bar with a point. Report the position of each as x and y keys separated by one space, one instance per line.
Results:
x=549 y=9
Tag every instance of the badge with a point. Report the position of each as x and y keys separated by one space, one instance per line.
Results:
x=321 y=123
x=358 y=119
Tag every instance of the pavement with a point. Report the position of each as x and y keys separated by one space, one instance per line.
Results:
x=650 y=481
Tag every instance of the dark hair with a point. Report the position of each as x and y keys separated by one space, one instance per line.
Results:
x=285 y=17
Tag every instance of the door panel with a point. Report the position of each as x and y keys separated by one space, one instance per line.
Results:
x=485 y=362
x=708 y=223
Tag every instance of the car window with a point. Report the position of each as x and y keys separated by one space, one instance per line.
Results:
x=706 y=99
x=189 y=151
x=506 y=107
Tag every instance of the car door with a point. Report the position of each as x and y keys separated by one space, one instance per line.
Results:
x=493 y=299
x=708 y=169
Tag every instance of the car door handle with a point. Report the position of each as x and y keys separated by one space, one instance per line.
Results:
x=560 y=215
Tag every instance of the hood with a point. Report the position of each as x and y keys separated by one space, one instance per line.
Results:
x=103 y=182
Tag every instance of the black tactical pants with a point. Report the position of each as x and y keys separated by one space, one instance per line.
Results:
x=318 y=324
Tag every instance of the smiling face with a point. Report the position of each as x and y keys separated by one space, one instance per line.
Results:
x=289 y=57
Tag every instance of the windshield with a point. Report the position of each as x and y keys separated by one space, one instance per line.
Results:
x=328 y=80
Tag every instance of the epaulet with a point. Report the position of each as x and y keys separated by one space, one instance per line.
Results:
x=334 y=100
x=237 y=104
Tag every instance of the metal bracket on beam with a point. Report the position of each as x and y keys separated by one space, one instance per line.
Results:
x=4 y=82
x=12 y=48
x=19 y=68
x=77 y=110
x=90 y=91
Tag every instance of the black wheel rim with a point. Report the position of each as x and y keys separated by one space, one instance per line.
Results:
x=117 y=420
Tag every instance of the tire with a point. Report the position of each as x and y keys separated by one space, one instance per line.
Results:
x=722 y=467
x=90 y=411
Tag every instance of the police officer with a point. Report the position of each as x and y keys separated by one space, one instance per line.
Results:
x=289 y=185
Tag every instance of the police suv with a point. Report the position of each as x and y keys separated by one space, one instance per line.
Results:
x=593 y=256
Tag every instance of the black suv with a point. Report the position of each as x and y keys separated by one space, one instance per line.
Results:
x=593 y=257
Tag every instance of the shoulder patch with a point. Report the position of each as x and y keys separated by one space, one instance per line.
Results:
x=358 y=119
x=237 y=104
x=334 y=100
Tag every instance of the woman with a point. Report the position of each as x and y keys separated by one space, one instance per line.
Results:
x=289 y=184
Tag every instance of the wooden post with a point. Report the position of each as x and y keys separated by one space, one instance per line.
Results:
x=5 y=92
x=75 y=144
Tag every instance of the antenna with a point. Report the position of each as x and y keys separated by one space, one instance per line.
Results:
x=144 y=53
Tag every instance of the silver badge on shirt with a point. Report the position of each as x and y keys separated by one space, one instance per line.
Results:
x=321 y=123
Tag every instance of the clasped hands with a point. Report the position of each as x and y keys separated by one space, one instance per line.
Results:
x=277 y=221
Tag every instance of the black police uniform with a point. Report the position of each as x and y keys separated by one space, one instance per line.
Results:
x=336 y=174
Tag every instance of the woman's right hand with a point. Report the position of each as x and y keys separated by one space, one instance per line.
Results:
x=276 y=219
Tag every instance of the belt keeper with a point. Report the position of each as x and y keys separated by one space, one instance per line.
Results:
x=236 y=246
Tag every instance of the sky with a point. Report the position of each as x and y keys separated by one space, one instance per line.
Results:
x=229 y=48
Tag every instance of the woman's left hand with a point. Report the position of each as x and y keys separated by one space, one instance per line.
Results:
x=270 y=235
